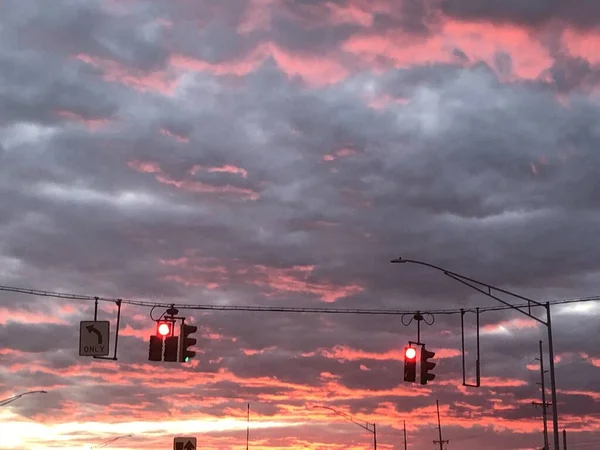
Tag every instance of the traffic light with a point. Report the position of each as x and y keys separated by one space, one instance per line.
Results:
x=410 y=364
x=185 y=355
x=156 y=347
x=171 y=348
x=426 y=366
x=163 y=329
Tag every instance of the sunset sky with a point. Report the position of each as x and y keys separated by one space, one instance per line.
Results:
x=281 y=153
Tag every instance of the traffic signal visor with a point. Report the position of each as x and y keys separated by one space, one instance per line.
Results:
x=156 y=348
x=171 y=349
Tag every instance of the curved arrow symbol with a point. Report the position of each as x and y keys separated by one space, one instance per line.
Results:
x=93 y=329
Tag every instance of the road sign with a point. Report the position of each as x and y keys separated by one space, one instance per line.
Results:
x=184 y=443
x=94 y=338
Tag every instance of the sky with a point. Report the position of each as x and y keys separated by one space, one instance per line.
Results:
x=280 y=153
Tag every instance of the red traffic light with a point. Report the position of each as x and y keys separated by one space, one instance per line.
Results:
x=164 y=328
x=410 y=352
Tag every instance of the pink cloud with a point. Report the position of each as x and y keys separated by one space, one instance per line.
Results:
x=518 y=323
x=114 y=72
x=295 y=279
x=198 y=187
x=200 y=272
x=192 y=186
x=351 y=13
x=239 y=67
x=341 y=153
x=145 y=166
x=594 y=361
x=314 y=70
x=178 y=137
x=8 y=315
x=257 y=16
x=348 y=354
x=225 y=169
x=479 y=41
x=583 y=44
x=91 y=124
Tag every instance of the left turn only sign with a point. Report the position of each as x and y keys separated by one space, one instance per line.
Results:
x=94 y=338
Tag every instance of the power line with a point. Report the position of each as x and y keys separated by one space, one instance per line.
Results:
x=281 y=309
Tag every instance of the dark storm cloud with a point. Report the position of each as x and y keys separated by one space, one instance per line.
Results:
x=580 y=13
x=37 y=90
x=77 y=27
x=492 y=179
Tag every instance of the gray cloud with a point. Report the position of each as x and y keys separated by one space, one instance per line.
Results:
x=537 y=12
x=261 y=189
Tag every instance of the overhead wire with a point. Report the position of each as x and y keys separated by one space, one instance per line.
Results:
x=282 y=309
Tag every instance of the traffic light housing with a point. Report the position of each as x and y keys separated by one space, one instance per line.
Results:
x=186 y=342
x=171 y=349
x=427 y=366
x=156 y=348
x=410 y=364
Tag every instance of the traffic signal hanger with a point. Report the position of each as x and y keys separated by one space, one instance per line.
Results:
x=165 y=345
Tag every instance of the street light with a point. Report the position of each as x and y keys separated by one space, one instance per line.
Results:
x=370 y=427
x=487 y=289
x=104 y=444
x=8 y=400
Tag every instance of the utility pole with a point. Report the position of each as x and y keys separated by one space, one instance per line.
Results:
x=248 y=428
x=564 y=439
x=440 y=441
x=405 y=441
x=544 y=404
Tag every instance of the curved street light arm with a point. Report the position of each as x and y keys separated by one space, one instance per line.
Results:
x=111 y=441
x=548 y=323
x=478 y=286
x=363 y=424
x=8 y=400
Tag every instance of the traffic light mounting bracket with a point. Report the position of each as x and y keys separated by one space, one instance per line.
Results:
x=477 y=358
x=118 y=303
x=418 y=317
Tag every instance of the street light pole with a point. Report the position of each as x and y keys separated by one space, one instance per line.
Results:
x=487 y=290
x=104 y=444
x=370 y=427
x=8 y=400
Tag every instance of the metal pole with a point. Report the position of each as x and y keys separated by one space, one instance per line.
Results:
x=552 y=378
x=462 y=340
x=479 y=286
x=248 y=429
x=405 y=441
x=437 y=404
x=544 y=412
x=564 y=439
x=374 y=437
